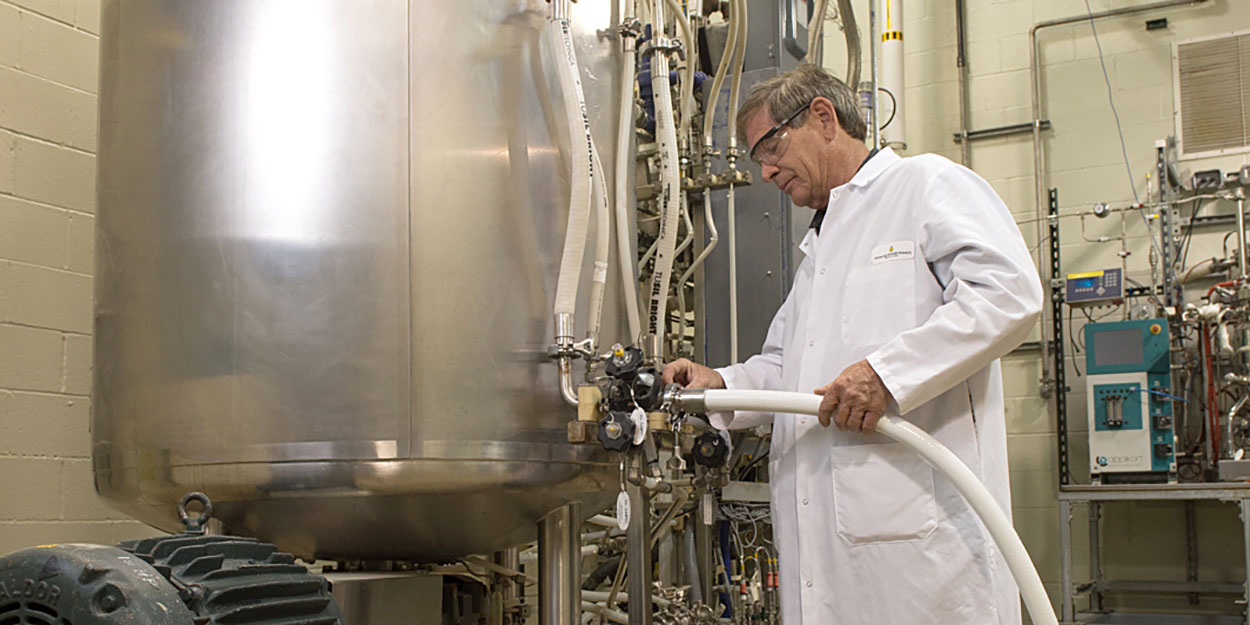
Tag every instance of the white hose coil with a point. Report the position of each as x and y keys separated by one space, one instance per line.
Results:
x=937 y=455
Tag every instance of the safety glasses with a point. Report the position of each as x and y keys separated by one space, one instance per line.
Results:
x=772 y=146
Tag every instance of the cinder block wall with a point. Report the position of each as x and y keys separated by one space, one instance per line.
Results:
x=48 y=75
x=1083 y=160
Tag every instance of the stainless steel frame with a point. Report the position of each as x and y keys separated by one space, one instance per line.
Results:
x=328 y=237
x=1096 y=586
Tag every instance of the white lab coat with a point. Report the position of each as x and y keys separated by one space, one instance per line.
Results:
x=920 y=268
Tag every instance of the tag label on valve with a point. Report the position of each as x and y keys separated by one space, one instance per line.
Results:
x=622 y=511
x=639 y=417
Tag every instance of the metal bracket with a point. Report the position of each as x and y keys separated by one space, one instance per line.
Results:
x=662 y=45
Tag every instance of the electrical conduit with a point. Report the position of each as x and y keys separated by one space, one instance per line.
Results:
x=919 y=441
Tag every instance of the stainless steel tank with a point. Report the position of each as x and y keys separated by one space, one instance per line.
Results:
x=329 y=233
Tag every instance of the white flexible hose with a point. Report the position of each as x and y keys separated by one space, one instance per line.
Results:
x=670 y=189
x=933 y=452
x=582 y=170
x=603 y=246
x=735 y=82
x=709 y=112
x=624 y=160
x=686 y=97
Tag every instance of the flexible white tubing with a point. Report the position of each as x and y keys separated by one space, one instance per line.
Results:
x=670 y=189
x=687 y=75
x=624 y=160
x=603 y=246
x=735 y=82
x=582 y=168
x=709 y=112
x=937 y=455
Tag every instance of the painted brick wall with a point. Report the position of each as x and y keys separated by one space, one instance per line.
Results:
x=48 y=75
x=1083 y=157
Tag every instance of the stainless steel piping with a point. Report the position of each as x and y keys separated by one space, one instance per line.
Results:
x=872 y=55
x=961 y=70
x=559 y=567
x=1241 y=233
x=638 y=554
x=1035 y=88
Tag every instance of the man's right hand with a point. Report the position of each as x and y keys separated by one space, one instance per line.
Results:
x=692 y=375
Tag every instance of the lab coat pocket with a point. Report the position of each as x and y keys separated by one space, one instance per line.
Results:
x=879 y=303
x=882 y=493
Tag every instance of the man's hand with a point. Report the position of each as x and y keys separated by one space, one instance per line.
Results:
x=692 y=375
x=855 y=401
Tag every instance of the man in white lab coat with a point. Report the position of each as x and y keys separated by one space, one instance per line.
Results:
x=915 y=281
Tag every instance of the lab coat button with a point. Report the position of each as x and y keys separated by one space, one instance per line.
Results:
x=805 y=501
x=811 y=343
x=809 y=584
x=822 y=271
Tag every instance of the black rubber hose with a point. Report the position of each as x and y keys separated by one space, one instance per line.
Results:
x=606 y=569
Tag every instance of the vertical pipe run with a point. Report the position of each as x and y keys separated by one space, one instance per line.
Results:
x=639 y=554
x=892 y=80
x=961 y=70
x=1095 y=555
x=506 y=594
x=559 y=567
x=1241 y=234
x=872 y=47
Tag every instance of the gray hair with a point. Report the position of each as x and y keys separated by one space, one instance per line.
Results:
x=791 y=91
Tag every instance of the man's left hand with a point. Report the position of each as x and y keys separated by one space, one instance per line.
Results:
x=856 y=400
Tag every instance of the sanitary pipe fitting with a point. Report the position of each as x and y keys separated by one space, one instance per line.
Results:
x=677 y=399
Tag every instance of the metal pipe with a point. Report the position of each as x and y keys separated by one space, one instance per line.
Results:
x=1241 y=233
x=506 y=587
x=872 y=55
x=559 y=566
x=1035 y=88
x=568 y=390
x=961 y=70
x=639 y=554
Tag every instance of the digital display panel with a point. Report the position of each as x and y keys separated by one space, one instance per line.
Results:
x=1085 y=283
x=1117 y=347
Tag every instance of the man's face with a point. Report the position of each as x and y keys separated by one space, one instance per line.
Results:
x=798 y=171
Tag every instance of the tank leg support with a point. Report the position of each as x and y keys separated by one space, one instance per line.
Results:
x=559 y=567
x=639 y=554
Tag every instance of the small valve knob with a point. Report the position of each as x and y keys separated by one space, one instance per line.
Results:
x=616 y=431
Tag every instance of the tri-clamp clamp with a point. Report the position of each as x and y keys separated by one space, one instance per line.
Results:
x=663 y=44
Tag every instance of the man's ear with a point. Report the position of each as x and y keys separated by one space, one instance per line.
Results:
x=823 y=109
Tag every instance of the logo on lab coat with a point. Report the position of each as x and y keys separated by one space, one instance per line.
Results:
x=899 y=250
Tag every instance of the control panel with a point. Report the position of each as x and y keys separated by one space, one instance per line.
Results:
x=1129 y=401
x=1094 y=288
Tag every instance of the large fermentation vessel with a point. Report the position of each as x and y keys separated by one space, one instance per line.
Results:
x=329 y=233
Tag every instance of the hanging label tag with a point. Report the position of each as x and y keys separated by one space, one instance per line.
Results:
x=639 y=417
x=622 y=511
x=708 y=513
